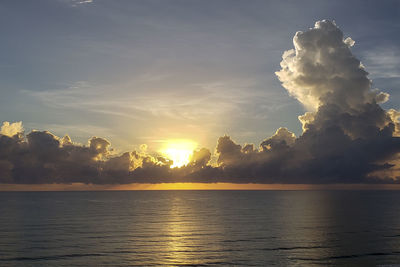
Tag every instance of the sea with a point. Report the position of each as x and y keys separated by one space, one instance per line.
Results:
x=200 y=228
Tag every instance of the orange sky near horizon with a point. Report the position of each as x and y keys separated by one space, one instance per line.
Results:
x=193 y=186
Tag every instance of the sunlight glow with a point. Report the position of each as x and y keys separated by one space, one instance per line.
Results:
x=179 y=151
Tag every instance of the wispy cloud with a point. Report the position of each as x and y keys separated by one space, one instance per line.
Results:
x=76 y=3
x=382 y=62
x=82 y=2
x=191 y=101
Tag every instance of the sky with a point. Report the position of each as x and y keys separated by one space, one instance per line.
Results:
x=148 y=72
x=139 y=72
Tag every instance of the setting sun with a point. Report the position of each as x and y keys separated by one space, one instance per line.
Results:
x=179 y=151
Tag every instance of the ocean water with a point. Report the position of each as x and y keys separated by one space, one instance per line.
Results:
x=200 y=228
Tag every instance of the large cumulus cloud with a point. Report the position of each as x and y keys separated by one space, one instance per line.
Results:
x=347 y=137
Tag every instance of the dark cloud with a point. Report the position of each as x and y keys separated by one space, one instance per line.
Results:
x=41 y=157
x=200 y=158
x=347 y=137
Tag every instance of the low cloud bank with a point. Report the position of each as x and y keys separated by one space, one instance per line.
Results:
x=347 y=137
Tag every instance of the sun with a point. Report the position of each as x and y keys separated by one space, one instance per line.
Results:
x=179 y=151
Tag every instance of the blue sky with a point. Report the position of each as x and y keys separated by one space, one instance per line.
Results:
x=139 y=72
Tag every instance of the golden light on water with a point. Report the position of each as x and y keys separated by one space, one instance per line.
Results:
x=179 y=151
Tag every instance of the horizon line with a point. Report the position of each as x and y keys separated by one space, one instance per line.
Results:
x=192 y=187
